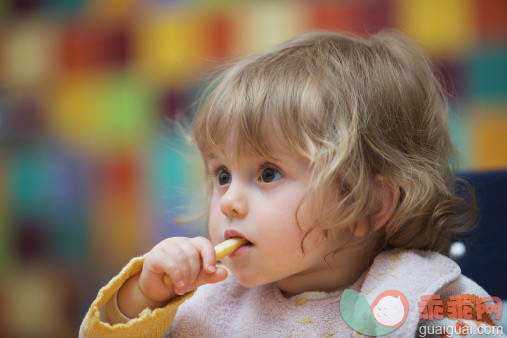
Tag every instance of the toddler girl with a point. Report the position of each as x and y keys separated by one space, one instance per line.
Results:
x=330 y=155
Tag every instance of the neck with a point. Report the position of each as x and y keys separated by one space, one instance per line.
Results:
x=337 y=272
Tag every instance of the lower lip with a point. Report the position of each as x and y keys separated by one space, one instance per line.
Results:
x=241 y=251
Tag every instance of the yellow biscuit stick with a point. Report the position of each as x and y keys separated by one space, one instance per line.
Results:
x=223 y=249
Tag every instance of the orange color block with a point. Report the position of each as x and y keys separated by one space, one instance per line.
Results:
x=489 y=141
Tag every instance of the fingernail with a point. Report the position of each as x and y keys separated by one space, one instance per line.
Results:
x=180 y=283
x=211 y=268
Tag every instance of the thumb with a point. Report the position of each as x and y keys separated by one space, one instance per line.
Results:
x=205 y=278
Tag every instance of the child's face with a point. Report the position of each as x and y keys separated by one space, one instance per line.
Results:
x=257 y=199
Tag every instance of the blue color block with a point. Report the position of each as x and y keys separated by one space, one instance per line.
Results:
x=69 y=206
x=29 y=184
x=65 y=6
x=486 y=75
x=175 y=185
x=460 y=139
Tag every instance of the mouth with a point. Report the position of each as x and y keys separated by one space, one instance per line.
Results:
x=229 y=233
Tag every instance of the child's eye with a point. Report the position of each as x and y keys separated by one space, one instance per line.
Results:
x=223 y=177
x=269 y=175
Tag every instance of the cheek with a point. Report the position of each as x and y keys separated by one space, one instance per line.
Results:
x=278 y=228
x=214 y=221
x=273 y=217
x=305 y=216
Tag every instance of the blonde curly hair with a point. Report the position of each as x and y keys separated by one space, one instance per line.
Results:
x=356 y=108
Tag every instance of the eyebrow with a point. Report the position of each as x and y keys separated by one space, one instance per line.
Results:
x=211 y=156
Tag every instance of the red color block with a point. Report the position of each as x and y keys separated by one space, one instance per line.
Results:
x=90 y=46
x=220 y=36
x=491 y=16
x=330 y=15
x=377 y=15
x=120 y=176
x=75 y=48
x=361 y=17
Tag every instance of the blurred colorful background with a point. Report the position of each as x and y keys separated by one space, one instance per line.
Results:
x=94 y=172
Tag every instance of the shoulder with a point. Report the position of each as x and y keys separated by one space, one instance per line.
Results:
x=417 y=259
x=462 y=285
x=417 y=269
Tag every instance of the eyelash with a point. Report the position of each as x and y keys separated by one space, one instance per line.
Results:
x=215 y=171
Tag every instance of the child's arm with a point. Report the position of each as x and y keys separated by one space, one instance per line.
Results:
x=189 y=262
x=142 y=294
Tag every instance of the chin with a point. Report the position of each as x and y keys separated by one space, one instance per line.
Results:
x=247 y=280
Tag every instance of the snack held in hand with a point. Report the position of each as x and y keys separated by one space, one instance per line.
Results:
x=223 y=249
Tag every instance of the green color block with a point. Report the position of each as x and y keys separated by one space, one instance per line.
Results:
x=487 y=74
x=128 y=110
x=218 y=4
x=460 y=139
x=5 y=241
x=4 y=10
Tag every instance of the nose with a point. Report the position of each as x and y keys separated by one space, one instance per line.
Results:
x=234 y=203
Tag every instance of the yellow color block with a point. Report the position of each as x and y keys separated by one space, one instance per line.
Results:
x=265 y=24
x=35 y=301
x=443 y=26
x=96 y=113
x=75 y=113
x=170 y=46
x=27 y=54
x=489 y=141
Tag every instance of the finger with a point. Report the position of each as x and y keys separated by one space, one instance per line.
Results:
x=164 y=262
x=207 y=253
x=151 y=282
x=179 y=255
x=193 y=260
x=218 y=276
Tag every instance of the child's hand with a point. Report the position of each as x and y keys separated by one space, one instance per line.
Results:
x=189 y=262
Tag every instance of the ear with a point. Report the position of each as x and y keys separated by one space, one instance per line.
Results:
x=389 y=197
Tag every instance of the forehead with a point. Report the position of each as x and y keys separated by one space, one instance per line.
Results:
x=235 y=149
